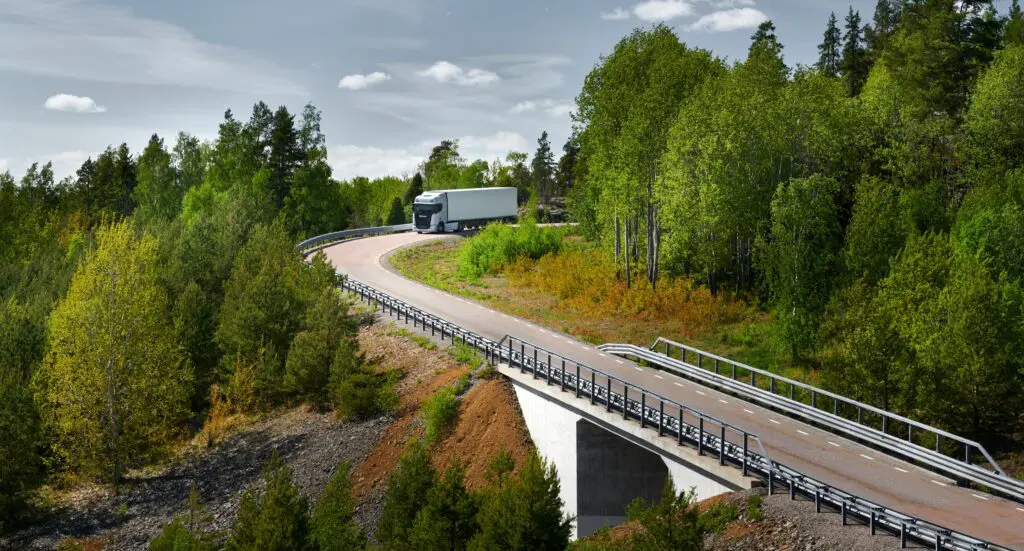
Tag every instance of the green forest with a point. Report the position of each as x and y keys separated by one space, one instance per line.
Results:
x=873 y=204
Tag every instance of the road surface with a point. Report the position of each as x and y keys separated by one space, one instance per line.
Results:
x=829 y=458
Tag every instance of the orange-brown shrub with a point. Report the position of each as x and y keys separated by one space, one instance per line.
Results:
x=584 y=280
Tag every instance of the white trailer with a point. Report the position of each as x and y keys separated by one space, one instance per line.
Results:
x=460 y=209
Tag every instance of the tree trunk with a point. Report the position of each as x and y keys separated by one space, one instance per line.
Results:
x=629 y=277
x=618 y=246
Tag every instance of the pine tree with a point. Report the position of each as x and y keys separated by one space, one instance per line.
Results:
x=415 y=189
x=333 y=527
x=765 y=36
x=542 y=168
x=565 y=176
x=525 y=513
x=396 y=215
x=274 y=518
x=285 y=155
x=854 y=65
x=408 y=488
x=1013 y=35
x=448 y=520
x=829 y=49
x=157 y=193
x=884 y=24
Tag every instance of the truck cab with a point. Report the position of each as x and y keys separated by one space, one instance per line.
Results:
x=429 y=213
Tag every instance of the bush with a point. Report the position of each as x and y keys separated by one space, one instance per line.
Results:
x=365 y=393
x=439 y=412
x=185 y=532
x=466 y=354
x=754 y=507
x=448 y=520
x=715 y=519
x=499 y=245
x=333 y=524
x=276 y=517
x=308 y=367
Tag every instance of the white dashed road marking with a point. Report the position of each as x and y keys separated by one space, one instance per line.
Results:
x=802 y=432
x=834 y=444
x=637 y=368
x=1021 y=510
x=983 y=498
x=602 y=354
x=723 y=401
x=658 y=377
x=901 y=470
x=868 y=457
x=619 y=361
x=937 y=482
x=774 y=421
x=701 y=393
x=748 y=411
x=677 y=384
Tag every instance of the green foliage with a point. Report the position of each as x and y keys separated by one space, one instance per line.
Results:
x=499 y=245
x=156 y=193
x=801 y=256
x=408 y=490
x=877 y=229
x=995 y=132
x=672 y=523
x=439 y=412
x=715 y=519
x=448 y=519
x=754 y=512
x=396 y=215
x=525 y=512
x=333 y=527
x=275 y=517
x=113 y=351
x=20 y=447
x=186 y=532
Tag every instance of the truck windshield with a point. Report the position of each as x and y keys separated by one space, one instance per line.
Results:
x=426 y=208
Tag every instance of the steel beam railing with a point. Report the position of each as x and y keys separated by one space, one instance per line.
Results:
x=321 y=241
x=669 y=419
x=741 y=380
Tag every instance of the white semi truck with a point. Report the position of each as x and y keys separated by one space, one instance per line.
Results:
x=459 y=209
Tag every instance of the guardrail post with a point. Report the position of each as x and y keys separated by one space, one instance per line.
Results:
x=885 y=423
x=903 y=535
x=745 y=454
x=842 y=506
x=562 y=379
x=835 y=406
x=700 y=361
x=771 y=479
x=938 y=542
x=859 y=420
x=522 y=358
x=578 y=383
x=817 y=501
x=872 y=522
x=700 y=439
x=661 y=418
x=721 y=447
x=549 y=369
x=814 y=399
x=534 y=363
x=679 y=433
x=733 y=372
x=716 y=366
x=938 y=441
x=643 y=409
x=625 y=399
x=772 y=384
x=792 y=489
x=910 y=433
x=792 y=391
x=753 y=378
x=682 y=356
x=967 y=453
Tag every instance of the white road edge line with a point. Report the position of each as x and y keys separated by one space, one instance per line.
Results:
x=939 y=483
x=1020 y=509
x=834 y=444
x=868 y=457
x=802 y=432
x=901 y=470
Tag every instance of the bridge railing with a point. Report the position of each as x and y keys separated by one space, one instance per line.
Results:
x=639 y=408
x=733 y=377
x=322 y=241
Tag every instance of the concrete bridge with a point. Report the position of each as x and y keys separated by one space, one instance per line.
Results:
x=605 y=457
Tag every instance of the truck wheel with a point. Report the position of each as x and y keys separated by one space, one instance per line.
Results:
x=440 y=227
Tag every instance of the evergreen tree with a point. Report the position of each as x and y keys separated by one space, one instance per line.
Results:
x=877 y=35
x=542 y=169
x=396 y=215
x=274 y=518
x=285 y=155
x=525 y=513
x=565 y=176
x=157 y=193
x=765 y=36
x=186 y=532
x=415 y=189
x=408 y=489
x=829 y=49
x=854 y=65
x=448 y=519
x=1013 y=33
x=671 y=523
x=333 y=526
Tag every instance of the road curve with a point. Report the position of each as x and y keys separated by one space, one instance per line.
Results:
x=864 y=472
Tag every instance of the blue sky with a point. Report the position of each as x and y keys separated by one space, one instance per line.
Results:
x=77 y=75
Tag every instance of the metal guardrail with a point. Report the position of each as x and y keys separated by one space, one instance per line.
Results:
x=571 y=378
x=321 y=241
x=730 y=382
x=848 y=505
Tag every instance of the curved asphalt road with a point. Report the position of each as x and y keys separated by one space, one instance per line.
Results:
x=865 y=472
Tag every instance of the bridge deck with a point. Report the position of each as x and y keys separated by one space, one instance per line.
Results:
x=827 y=457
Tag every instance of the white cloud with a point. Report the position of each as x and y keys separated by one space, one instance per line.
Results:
x=618 y=14
x=729 y=20
x=105 y=43
x=68 y=102
x=443 y=71
x=3 y=165
x=358 y=82
x=349 y=161
x=550 y=107
x=662 y=10
x=722 y=4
